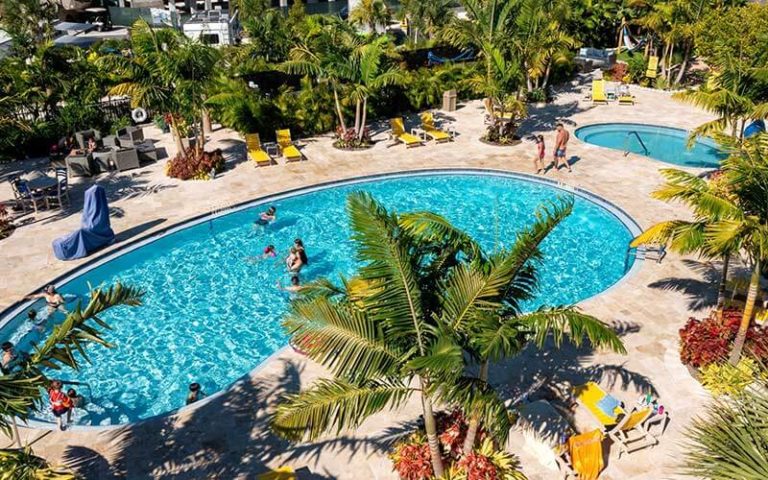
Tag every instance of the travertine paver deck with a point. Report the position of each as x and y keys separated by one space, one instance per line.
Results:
x=228 y=437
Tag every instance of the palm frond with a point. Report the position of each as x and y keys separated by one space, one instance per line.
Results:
x=568 y=322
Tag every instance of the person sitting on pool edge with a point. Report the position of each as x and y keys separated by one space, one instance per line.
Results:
x=195 y=393
x=267 y=217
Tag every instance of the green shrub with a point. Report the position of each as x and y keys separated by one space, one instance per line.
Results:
x=725 y=379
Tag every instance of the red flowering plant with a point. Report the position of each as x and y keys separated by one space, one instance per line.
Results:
x=412 y=460
x=710 y=340
x=488 y=463
x=195 y=164
x=350 y=140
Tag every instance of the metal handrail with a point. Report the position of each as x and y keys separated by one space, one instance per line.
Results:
x=626 y=142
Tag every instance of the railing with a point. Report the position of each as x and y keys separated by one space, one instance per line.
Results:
x=626 y=142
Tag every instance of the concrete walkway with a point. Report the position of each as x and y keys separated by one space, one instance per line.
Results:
x=227 y=437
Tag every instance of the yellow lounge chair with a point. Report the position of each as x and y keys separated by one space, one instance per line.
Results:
x=282 y=473
x=398 y=133
x=631 y=434
x=256 y=152
x=436 y=134
x=604 y=407
x=583 y=456
x=598 y=92
x=653 y=66
x=286 y=146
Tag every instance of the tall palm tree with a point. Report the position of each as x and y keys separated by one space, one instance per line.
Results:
x=731 y=439
x=371 y=14
x=744 y=223
x=704 y=198
x=426 y=17
x=483 y=310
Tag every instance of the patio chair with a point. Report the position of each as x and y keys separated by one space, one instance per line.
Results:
x=398 y=133
x=80 y=165
x=598 y=91
x=286 y=146
x=126 y=159
x=431 y=130
x=582 y=456
x=83 y=136
x=282 y=473
x=133 y=134
x=652 y=251
x=630 y=434
x=603 y=406
x=256 y=152
x=653 y=67
x=625 y=98
x=59 y=195
x=26 y=196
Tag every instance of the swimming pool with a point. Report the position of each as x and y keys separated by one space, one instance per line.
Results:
x=666 y=144
x=211 y=315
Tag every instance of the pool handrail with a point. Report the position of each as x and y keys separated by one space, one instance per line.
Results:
x=626 y=143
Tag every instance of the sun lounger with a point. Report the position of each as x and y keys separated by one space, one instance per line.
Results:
x=604 y=407
x=255 y=150
x=398 y=133
x=653 y=67
x=598 y=91
x=582 y=456
x=282 y=473
x=625 y=98
x=436 y=134
x=286 y=146
x=630 y=434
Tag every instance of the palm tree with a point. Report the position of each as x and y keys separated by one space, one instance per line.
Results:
x=426 y=16
x=482 y=310
x=704 y=198
x=730 y=440
x=370 y=14
x=743 y=226
x=20 y=390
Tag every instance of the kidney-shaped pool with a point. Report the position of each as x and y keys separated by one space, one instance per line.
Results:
x=212 y=312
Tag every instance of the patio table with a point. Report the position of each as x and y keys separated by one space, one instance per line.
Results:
x=39 y=181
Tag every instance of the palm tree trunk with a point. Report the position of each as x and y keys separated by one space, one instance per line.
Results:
x=430 y=426
x=176 y=135
x=723 y=282
x=338 y=110
x=746 y=319
x=684 y=65
x=357 y=116
x=207 y=128
x=16 y=435
x=547 y=72
x=474 y=420
x=362 y=123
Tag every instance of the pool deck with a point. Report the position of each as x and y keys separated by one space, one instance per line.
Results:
x=227 y=437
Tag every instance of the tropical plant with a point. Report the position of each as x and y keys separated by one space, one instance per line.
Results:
x=730 y=439
x=426 y=17
x=704 y=197
x=726 y=379
x=708 y=341
x=371 y=14
x=194 y=164
x=23 y=464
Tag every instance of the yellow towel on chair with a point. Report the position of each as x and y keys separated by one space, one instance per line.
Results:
x=587 y=454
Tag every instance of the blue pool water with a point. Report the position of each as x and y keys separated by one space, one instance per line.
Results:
x=661 y=143
x=211 y=315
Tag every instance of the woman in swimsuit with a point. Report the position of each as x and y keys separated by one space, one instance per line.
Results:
x=299 y=245
x=53 y=299
x=293 y=261
x=267 y=217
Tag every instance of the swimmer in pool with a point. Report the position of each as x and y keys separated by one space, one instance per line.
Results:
x=294 y=287
x=293 y=261
x=39 y=322
x=300 y=250
x=53 y=300
x=269 y=252
x=267 y=217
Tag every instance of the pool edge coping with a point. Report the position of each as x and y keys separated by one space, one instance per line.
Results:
x=16 y=308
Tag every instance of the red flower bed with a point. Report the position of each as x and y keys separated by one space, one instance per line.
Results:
x=710 y=340
x=412 y=461
x=479 y=467
x=194 y=164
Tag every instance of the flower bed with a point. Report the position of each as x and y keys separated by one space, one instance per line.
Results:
x=710 y=340
x=348 y=140
x=195 y=164
x=412 y=459
x=6 y=226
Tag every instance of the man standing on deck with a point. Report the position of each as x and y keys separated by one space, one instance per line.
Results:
x=561 y=142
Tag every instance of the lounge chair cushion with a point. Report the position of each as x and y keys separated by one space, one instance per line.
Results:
x=587 y=454
x=259 y=156
x=437 y=135
x=291 y=152
x=408 y=139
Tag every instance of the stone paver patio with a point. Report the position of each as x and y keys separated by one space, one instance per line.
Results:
x=227 y=437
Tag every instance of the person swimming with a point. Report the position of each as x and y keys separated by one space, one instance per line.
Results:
x=269 y=252
x=301 y=251
x=267 y=217
x=294 y=287
x=195 y=393
x=293 y=261
x=39 y=322
x=53 y=299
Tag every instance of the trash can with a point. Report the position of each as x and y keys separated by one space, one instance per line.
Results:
x=449 y=101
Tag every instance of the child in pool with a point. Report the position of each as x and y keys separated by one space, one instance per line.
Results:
x=267 y=217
